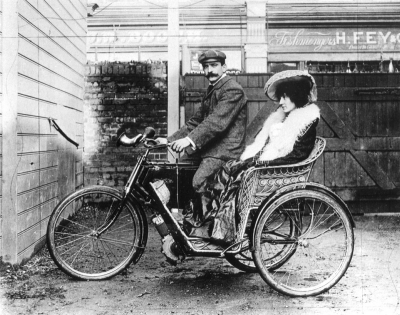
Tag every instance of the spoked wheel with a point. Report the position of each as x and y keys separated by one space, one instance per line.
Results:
x=75 y=243
x=278 y=256
x=319 y=250
x=243 y=260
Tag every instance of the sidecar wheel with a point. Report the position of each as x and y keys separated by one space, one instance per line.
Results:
x=78 y=249
x=323 y=242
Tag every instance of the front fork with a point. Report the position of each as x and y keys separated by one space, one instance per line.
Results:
x=110 y=220
x=127 y=190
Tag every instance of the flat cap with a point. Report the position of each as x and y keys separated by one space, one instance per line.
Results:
x=212 y=55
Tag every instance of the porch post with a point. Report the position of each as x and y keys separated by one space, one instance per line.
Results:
x=173 y=67
x=9 y=123
x=256 y=44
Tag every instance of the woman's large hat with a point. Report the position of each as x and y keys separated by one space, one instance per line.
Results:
x=290 y=76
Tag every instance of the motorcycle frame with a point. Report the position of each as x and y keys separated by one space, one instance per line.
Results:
x=287 y=178
x=135 y=188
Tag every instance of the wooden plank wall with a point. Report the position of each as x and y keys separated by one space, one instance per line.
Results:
x=1 y=133
x=52 y=54
x=360 y=122
x=360 y=114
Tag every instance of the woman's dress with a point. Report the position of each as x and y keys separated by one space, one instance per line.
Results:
x=282 y=140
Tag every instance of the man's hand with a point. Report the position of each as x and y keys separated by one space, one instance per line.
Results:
x=180 y=145
x=162 y=140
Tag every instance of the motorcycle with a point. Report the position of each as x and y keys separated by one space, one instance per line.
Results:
x=298 y=235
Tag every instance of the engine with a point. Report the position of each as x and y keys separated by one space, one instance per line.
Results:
x=171 y=250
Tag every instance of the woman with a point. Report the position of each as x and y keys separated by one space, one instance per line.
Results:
x=287 y=137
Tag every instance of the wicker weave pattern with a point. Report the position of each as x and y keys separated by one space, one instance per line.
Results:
x=261 y=181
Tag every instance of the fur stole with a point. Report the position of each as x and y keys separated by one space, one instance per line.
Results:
x=279 y=133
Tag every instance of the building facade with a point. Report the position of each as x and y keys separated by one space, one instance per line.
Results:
x=258 y=36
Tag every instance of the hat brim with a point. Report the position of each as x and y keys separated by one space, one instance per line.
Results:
x=286 y=76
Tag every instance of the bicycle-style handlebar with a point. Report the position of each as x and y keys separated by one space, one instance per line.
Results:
x=145 y=139
x=153 y=144
x=124 y=140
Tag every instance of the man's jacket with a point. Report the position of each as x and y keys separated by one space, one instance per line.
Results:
x=218 y=128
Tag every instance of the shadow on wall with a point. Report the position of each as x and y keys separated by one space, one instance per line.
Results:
x=130 y=95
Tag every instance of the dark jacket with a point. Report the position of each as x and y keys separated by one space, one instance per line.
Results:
x=218 y=128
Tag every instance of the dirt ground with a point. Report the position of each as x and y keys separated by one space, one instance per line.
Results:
x=210 y=286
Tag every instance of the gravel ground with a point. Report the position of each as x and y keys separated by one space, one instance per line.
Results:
x=210 y=286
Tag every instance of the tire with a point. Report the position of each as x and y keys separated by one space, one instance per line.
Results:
x=243 y=260
x=278 y=254
x=74 y=245
x=321 y=247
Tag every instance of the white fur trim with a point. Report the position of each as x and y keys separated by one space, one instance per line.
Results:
x=281 y=141
x=262 y=137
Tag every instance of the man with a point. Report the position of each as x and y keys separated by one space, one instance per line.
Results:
x=217 y=130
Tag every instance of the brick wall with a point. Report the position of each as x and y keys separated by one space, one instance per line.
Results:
x=121 y=94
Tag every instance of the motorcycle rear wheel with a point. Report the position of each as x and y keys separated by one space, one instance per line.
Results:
x=243 y=260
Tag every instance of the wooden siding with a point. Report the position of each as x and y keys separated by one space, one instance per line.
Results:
x=9 y=24
x=360 y=114
x=1 y=134
x=51 y=77
x=51 y=59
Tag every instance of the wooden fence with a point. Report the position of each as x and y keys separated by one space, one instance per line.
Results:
x=360 y=121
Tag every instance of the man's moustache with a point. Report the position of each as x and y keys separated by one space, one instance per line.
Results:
x=211 y=75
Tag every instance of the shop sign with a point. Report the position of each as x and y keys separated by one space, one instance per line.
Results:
x=127 y=38
x=377 y=91
x=201 y=37
x=323 y=40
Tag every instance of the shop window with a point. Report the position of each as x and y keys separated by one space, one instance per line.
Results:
x=353 y=66
x=281 y=66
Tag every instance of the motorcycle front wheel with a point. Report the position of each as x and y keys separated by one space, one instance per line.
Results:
x=74 y=241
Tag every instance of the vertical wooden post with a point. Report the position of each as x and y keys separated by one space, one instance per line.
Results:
x=185 y=59
x=173 y=67
x=256 y=46
x=9 y=121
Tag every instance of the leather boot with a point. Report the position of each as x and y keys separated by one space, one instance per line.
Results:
x=203 y=214
x=202 y=210
x=194 y=217
x=203 y=231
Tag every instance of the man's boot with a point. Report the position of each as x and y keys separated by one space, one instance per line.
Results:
x=194 y=215
x=203 y=213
